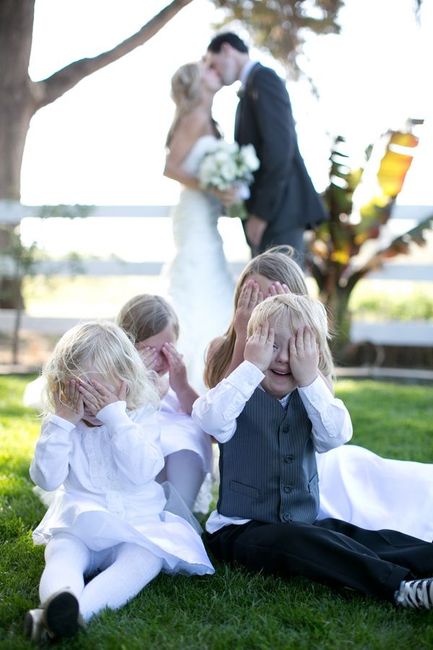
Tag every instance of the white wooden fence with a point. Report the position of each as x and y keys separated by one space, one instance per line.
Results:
x=415 y=267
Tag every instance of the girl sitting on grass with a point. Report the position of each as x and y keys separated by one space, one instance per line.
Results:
x=100 y=440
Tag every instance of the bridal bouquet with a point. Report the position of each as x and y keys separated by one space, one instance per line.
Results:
x=227 y=165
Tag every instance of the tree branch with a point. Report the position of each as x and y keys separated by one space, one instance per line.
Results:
x=50 y=89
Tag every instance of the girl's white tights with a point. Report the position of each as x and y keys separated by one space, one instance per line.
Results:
x=184 y=470
x=125 y=570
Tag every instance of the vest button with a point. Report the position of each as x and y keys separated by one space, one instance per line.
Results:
x=288 y=458
x=287 y=488
x=287 y=517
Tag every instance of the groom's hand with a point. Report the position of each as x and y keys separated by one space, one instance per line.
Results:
x=255 y=228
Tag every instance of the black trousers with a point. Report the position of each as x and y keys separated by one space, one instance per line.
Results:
x=329 y=551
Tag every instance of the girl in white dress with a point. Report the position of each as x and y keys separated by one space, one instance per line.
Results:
x=200 y=284
x=356 y=485
x=100 y=440
x=152 y=325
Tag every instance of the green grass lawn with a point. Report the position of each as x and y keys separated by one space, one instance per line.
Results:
x=230 y=609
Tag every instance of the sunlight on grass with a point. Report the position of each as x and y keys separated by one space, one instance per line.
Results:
x=392 y=300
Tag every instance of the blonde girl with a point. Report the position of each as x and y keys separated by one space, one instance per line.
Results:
x=152 y=325
x=100 y=445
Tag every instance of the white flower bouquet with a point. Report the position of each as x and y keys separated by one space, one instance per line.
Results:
x=227 y=165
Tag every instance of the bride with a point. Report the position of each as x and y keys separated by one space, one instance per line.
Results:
x=200 y=284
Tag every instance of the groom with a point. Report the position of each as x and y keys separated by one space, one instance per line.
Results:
x=283 y=201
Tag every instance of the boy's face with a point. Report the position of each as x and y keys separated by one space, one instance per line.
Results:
x=279 y=380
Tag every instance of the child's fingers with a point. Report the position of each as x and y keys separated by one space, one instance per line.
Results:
x=245 y=294
x=300 y=340
x=256 y=296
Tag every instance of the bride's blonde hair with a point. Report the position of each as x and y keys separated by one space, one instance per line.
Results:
x=185 y=92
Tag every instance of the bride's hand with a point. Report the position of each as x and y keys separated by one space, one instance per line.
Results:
x=227 y=197
x=249 y=297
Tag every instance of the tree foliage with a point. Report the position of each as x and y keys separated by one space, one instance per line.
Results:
x=360 y=201
x=281 y=26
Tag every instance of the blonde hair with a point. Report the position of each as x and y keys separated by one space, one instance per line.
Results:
x=145 y=315
x=296 y=311
x=276 y=264
x=99 y=347
x=186 y=87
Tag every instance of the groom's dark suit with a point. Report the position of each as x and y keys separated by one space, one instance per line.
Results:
x=282 y=194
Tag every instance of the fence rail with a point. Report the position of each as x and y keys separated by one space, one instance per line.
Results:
x=403 y=218
x=414 y=268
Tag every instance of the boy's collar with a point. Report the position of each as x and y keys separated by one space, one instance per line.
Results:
x=283 y=400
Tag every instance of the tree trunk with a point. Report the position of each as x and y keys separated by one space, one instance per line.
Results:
x=20 y=98
x=336 y=302
x=17 y=104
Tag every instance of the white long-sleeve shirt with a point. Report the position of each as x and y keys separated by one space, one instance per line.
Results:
x=216 y=412
x=114 y=464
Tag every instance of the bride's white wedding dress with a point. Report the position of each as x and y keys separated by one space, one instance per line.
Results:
x=362 y=488
x=198 y=281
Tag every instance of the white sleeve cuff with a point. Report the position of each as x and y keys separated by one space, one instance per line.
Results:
x=246 y=377
x=113 y=414
x=317 y=392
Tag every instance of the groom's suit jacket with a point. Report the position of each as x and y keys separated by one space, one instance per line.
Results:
x=282 y=192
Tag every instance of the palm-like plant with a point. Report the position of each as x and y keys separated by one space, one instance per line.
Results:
x=360 y=202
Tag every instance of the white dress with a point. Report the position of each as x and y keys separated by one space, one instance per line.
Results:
x=179 y=431
x=200 y=284
x=367 y=490
x=109 y=494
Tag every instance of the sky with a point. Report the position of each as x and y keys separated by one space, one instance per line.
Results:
x=103 y=141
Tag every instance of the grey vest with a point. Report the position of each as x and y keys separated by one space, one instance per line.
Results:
x=268 y=469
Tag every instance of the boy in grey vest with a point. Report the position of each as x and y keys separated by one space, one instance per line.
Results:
x=270 y=416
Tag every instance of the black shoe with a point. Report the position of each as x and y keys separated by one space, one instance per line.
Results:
x=417 y=594
x=61 y=615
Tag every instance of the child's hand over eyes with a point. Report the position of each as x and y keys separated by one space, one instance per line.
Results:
x=148 y=355
x=96 y=395
x=249 y=297
x=259 y=348
x=69 y=403
x=176 y=367
x=304 y=356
